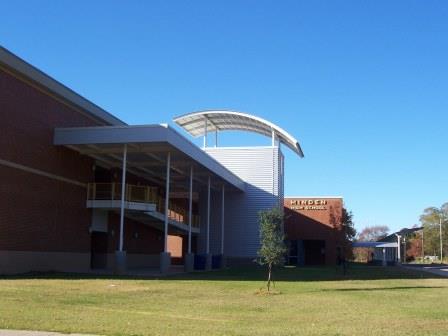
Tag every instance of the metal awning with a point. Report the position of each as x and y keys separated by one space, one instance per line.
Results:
x=373 y=244
x=199 y=123
x=147 y=147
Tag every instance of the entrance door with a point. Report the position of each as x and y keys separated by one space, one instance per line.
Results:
x=293 y=252
x=98 y=248
x=314 y=252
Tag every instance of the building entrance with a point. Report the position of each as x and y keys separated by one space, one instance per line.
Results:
x=314 y=252
x=98 y=250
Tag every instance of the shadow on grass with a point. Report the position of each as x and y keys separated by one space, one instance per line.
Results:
x=257 y=273
x=378 y=289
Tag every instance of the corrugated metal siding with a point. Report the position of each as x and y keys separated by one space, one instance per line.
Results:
x=260 y=168
x=281 y=177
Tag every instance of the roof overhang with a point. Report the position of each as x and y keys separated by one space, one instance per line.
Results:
x=373 y=244
x=199 y=123
x=147 y=148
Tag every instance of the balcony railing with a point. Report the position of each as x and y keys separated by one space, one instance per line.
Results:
x=112 y=191
x=178 y=213
x=139 y=194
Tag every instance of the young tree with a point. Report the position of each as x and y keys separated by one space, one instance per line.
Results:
x=272 y=246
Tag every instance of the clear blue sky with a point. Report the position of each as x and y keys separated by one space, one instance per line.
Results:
x=363 y=85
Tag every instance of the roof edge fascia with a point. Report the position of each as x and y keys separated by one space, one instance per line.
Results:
x=25 y=69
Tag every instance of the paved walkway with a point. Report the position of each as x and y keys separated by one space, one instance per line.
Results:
x=4 y=332
x=435 y=269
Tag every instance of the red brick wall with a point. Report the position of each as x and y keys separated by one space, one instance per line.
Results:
x=312 y=224
x=36 y=212
x=42 y=214
x=28 y=119
x=175 y=246
x=180 y=245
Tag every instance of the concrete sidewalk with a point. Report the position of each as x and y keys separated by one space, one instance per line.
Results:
x=5 y=332
x=435 y=269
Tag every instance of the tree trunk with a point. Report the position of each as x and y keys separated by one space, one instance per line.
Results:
x=269 y=276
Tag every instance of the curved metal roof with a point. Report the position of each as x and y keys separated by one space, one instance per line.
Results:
x=197 y=123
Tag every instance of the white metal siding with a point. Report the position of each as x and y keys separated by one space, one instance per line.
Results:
x=260 y=168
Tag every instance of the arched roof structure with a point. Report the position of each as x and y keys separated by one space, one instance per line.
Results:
x=202 y=122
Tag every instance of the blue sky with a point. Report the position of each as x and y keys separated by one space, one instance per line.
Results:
x=363 y=85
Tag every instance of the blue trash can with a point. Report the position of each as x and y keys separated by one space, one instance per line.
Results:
x=216 y=261
x=199 y=261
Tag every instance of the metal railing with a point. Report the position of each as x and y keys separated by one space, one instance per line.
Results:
x=140 y=194
x=112 y=191
x=177 y=213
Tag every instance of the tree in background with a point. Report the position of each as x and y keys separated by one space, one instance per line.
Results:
x=349 y=233
x=430 y=220
x=272 y=246
x=413 y=246
x=373 y=233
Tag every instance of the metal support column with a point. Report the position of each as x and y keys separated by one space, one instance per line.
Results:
x=205 y=133
x=208 y=256
x=123 y=193
x=207 y=249
x=189 y=257
x=398 y=248
x=167 y=199
x=165 y=256
x=222 y=219
x=120 y=255
x=190 y=209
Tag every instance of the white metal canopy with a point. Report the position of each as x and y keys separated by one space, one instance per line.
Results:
x=374 y=244
x=199 y=123
x=146 y=144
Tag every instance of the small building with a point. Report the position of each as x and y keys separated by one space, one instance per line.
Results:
x=313 y=229
x=390 y=249
x=381 y=253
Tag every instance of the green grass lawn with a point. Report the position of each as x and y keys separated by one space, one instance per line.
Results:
x=311 y=301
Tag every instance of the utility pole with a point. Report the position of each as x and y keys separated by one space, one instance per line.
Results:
x=441 y=242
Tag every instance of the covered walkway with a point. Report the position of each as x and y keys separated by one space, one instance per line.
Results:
x=386 y=252
x=171 y=172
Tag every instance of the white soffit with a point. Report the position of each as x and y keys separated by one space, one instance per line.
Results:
x=198 y=123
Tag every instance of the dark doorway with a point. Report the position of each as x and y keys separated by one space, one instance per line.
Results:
x=314 y=252
x=98 y=256
x=293 y=252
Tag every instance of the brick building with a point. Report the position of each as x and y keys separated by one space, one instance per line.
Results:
x=81 y=190
x=313 y=229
